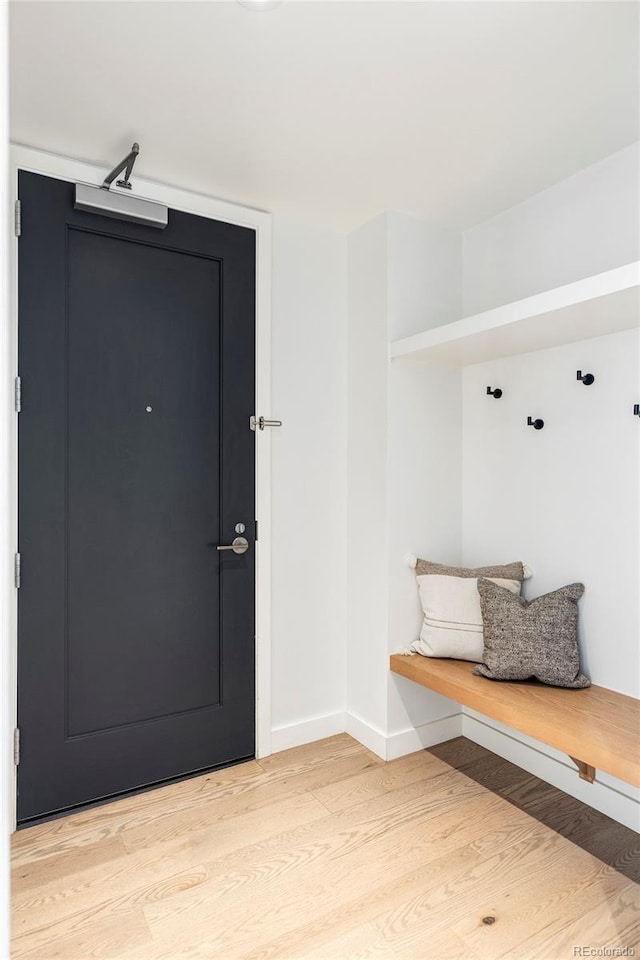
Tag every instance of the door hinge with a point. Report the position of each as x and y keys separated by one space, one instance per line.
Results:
x=18 y=394
x=259 y=423
x=17 y=571
x=16 y=746
x=17 y=218
x=256 y=523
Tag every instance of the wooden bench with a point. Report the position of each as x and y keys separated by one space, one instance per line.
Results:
x=598 y=728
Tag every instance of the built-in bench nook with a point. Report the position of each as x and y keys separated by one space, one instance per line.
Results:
x=596 y=727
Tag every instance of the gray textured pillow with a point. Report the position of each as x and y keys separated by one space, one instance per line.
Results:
x=537 y=638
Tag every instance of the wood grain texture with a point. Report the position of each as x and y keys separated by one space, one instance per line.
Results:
x=609 y=841
x=96 y=824
x=597 y=726
x=323 y=852
x=614 y=923
x=547 y=906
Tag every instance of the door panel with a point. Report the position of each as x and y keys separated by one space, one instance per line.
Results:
x=136 y=637
x=142 y=332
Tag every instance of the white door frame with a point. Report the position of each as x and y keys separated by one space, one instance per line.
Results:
x=64 y=168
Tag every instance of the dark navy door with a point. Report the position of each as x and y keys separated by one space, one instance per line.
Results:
x=136 y=635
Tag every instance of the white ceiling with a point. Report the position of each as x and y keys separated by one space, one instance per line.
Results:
x=332 y=112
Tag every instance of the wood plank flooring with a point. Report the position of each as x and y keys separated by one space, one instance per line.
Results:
x=325 y=852
x=606 y=839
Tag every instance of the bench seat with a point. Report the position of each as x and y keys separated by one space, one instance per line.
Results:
x=598 y=728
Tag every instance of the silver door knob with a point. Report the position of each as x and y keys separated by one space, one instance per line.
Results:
x=240 y=545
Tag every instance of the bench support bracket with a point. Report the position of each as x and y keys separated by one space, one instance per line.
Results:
x=585 y=770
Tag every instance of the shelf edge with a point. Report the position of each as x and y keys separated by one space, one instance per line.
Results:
x=558 y=298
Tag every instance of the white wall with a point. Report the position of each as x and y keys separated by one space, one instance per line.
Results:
x=424 y=451
x=309 y=482
x=424 y=275
x=403 y=275
x=565 y=499
x=367 y=586
x=580 y=226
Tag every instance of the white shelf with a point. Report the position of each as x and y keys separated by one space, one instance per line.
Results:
x=606 y=303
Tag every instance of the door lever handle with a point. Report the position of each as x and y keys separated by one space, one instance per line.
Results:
x=240 y=545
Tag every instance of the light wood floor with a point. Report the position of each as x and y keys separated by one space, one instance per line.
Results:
x=319 y=852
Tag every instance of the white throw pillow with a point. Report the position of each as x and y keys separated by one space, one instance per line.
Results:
x=452 y=625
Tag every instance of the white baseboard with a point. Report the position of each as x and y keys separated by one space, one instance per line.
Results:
x=307 y=731
x=369 y=736
x=387 y=748
x=405 y=741
x=426 y=735
x=616 y=799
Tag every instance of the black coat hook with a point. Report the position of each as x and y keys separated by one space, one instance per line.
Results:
x=636 y=409
x=536 y=424
x=586 y=378
x=497 y=393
